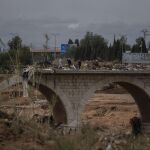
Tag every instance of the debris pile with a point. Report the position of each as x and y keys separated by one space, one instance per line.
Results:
x=122 y=141
x=95 y=65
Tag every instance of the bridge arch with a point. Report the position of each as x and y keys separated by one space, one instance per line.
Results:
x=135 y=87
x=62 y=110
x=63 y=105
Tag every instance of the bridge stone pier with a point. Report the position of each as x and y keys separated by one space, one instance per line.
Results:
x=74 y=88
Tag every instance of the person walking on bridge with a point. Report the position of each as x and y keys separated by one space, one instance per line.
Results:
x=79 y=64
x=60 y=63
x=69 y=62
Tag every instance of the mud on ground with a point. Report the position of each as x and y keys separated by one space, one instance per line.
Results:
x=108 y=112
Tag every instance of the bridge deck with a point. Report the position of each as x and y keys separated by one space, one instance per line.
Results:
x=120 y=72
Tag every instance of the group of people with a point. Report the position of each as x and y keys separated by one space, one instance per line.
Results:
x=70 y=64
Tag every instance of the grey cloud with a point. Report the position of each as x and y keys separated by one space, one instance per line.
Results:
x=32 y=30
x=132 y=31
x=32 y=18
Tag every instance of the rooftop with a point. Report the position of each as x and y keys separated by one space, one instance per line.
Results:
x=49 y=50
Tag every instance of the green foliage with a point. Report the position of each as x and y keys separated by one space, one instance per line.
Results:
x=77 y=42
x=140 y=46
x=15 y=43
x=91 y=46
x=71 y=51
x=25 y=56
x=19 y=54
x=94 y=46
x=4 y=62
x=119 y=46
x=70 y=41
x=16 y=55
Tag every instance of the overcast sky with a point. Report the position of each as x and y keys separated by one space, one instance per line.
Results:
x=31 y=19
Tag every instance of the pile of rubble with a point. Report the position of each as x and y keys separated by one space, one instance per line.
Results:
x=122 y=141
x=96 y=65
x=112 y=142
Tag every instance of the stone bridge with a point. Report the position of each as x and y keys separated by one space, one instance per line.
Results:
x=74 y=88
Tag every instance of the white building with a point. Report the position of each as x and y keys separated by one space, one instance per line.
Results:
x=143 y=58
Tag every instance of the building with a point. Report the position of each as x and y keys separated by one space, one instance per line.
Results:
x=140 y=58
x=42 y=55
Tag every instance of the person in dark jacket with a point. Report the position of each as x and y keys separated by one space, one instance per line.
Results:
x=136 y=125
x=79 y=64
x=69 y=62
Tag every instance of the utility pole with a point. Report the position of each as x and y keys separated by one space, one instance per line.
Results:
x=46 y=41
x=123 y=40
x=55 y=36
x=46 y=46
x=141 y=46
x=145 y=34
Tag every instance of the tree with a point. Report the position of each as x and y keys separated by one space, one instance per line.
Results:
x=15 y=43
x=71 y=52
x=123 y=42
x=119 y=46
x=92 y=46
x=25 y=56
x=4 y=62
x=140 y=46
x=70 y=42
x=112 y=49
x=77 y=42
x=18 y=54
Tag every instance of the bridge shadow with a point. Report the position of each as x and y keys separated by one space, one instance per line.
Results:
x=59 y=112
x=141 y=98
x=118 y=105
